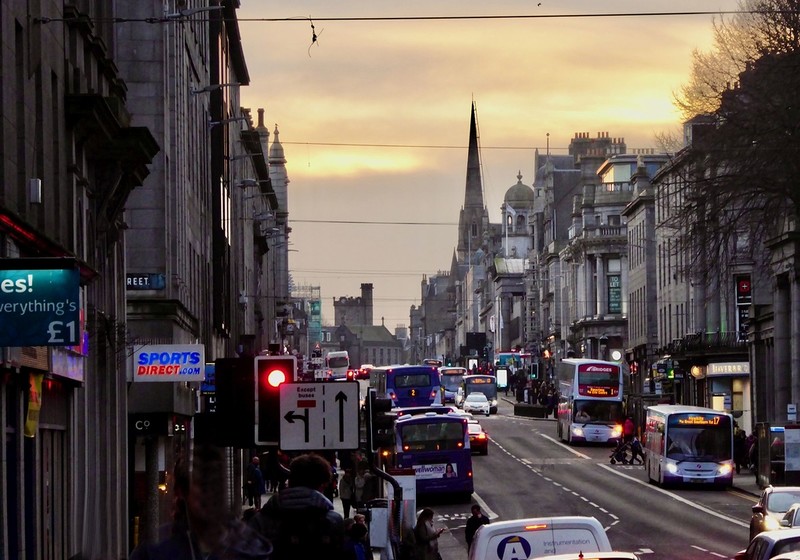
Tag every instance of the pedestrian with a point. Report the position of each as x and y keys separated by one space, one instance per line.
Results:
x=299 y=520
x=628 y=429
x=361 y=519
x=254 y=483
x=270 y=470
x=552 y=402
x=202 y=527
x=362 y=485
x=355 y=544
x=753 y=456
x=748 y=444
x=427 y=536
x=473 y=523
x=739 y=449
x=347 y=490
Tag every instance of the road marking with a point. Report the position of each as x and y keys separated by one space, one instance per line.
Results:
x=567 y=447
x=487 y=511
x=675 y=496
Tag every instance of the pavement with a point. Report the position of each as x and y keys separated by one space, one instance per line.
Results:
x=746 y=482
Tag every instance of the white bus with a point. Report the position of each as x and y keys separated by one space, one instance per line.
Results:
x=590 y=400
x=336 y=365
x=688 y=444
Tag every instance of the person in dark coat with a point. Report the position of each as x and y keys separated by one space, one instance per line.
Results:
x=739 y=449
x=254 y=483
x=473 y=523
x=299 y=521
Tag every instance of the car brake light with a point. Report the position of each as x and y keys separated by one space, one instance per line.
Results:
x=481 y=436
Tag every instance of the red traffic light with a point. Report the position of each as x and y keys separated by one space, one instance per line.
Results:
x=271 y=372
x=275 y=377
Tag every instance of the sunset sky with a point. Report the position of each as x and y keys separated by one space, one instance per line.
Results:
x=374 y=115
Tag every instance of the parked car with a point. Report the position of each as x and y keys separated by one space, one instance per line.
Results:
x=769 y=544
x=774 y=502
x=791 y=518
x=478 y=438
x=477 y=402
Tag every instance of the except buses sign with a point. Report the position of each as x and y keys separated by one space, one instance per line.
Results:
x=169 y=362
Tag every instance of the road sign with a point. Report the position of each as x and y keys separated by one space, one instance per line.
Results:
x=316 y=416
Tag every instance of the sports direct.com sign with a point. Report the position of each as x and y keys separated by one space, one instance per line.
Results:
x=169 y=362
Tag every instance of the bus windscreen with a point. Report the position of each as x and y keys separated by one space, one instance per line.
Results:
x=698 y=437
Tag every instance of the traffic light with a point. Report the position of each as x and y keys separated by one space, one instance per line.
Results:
x=231 y=424
x=270 y=373
x=380 y=420
x=534 y=370
x=670 y=369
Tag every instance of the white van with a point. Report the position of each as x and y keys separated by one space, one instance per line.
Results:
x=336 y=365
x=520 y=539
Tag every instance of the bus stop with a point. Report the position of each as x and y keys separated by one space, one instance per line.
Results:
x=778 y=454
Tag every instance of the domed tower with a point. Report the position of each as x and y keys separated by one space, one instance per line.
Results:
x=517 y=209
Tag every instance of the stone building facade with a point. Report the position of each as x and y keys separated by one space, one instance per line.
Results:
x=125 y=148
x=72 y=154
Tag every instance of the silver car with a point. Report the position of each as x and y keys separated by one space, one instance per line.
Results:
x=477 y=403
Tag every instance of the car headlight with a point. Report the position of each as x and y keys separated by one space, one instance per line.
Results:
x=617 y=431
x=724 y=469
x=770 y=523
x=577 y=431
x=672 y=468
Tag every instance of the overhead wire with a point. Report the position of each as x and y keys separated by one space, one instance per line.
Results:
x=180 y=17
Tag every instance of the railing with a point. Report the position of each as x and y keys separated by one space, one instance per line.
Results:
x=708 y=341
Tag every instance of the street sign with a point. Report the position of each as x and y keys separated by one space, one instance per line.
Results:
x=317 y=416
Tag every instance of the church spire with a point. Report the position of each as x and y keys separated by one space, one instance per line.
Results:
x=474 y=218
x=473 y=197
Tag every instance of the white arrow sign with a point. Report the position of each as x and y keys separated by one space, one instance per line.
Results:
x=320 y=415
